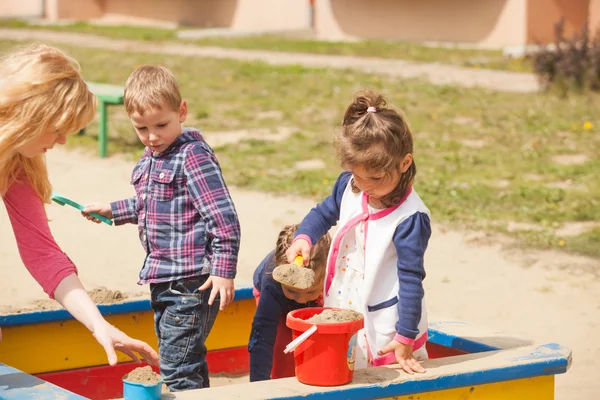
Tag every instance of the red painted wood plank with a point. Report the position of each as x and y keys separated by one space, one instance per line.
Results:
x=105 y=382
x=439 y=351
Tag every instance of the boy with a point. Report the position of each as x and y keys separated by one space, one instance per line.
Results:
x=187 y=224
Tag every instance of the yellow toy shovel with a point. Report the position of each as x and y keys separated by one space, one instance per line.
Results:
x=295 y=276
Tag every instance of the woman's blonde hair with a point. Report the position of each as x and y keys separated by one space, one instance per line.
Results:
x=41 y=91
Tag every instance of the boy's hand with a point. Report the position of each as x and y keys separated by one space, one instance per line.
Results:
x=300 y=247
x=97 y=208
x=222 y=286
x=404 y=356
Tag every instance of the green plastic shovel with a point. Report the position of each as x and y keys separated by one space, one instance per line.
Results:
x=57 y=198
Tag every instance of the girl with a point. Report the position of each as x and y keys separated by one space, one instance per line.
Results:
x=269 y=334
x=43 y=98
x=375 y=265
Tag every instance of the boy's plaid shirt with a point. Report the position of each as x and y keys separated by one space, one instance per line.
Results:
x=186 y=219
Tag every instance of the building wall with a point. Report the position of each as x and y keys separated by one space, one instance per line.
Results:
x=21 y=8
x=497 y=22
x=237 y=14
x=542 y=15
x=594 y=16
x=182 y=12
x=255 y=15
x=484 y=22
x=73 y=9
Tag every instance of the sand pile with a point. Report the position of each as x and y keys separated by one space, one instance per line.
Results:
x=333 y=316
x=292 y=275
x=144 y=375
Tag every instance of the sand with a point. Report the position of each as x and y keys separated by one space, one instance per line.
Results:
x=333 y=316
x=106 y=296
x=143 y=375
x=99 y=296
x=292 y=275
x=469 y=274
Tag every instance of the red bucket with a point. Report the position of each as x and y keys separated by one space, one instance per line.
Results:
x=327 y=357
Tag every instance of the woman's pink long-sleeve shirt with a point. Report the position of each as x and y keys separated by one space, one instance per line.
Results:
x=42 y=257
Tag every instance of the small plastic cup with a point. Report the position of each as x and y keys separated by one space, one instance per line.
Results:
x=140 y=391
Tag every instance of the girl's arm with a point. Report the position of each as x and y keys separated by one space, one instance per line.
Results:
x=325 y=214
x=57 y=275
x=411 y=239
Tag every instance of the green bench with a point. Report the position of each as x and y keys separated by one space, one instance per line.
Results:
x=106 y=94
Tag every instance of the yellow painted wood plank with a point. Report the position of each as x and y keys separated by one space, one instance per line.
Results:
x=540 y=388
x=233 y=325
x=69 y=345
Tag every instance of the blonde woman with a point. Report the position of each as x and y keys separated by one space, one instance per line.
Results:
x=43 y=98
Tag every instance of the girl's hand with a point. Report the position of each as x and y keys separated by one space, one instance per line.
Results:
x=404 y=356
x=97 y=208
x=113 y=339
x=299 y=247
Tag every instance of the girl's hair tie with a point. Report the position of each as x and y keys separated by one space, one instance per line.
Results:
x=371 y=109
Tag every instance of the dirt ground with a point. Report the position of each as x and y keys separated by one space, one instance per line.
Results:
x=546 y=296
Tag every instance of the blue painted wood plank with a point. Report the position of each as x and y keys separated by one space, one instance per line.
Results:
x=472 y=338
x=387 y=382
x=457 y=342
x=106 y=309
x=15 y=384
x=547 y=359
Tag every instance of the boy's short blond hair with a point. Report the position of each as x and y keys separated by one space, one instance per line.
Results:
x=151 y=87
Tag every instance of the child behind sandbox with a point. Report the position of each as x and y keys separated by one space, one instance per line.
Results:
x=269 y=334
x=187 y=224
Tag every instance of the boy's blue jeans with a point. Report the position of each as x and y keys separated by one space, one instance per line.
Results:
x=182 y=321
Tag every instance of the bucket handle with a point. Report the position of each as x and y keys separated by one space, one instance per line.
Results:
x=296 y=342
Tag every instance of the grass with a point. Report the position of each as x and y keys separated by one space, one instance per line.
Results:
x=484 y=159
x=474 y=58
x=587 y=243
x=116 y=32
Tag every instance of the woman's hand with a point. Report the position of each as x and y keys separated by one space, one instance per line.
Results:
x=113 y=339
x=73 y=297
